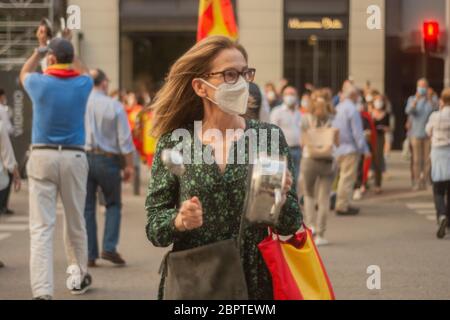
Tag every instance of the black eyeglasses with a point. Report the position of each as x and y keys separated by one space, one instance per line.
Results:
x=231 y=76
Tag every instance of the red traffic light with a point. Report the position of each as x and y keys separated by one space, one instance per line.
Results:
x=430 y=30
x=430 y=36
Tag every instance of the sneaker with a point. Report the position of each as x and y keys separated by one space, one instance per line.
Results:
x=442 y=226
x=351 y=211
x=113 y=257
x=45 y=297
x=2 y=265
x=357 y=194
x=319 y=241
x=84 y=286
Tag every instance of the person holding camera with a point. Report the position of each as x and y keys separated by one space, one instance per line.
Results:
x=57 y=164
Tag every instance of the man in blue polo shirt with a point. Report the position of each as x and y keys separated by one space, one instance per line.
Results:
x=57 y=163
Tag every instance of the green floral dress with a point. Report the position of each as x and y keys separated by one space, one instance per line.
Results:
x=222 y=196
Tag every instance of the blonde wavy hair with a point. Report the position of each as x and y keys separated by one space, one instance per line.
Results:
x=176 y=104
x=321 y=103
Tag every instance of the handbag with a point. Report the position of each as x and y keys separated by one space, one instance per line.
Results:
x=209 y=272
x=319 y=141
x=297 y=270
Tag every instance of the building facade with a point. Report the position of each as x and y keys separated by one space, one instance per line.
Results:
x=322 y=42
x=306 y=41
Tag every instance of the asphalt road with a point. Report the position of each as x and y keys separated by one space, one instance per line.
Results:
x=395 y=232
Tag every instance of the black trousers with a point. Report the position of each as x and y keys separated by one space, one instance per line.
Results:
x=378 y=159
x=4 y=194
x=441 y=193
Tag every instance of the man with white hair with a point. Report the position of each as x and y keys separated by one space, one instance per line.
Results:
x=352 y=146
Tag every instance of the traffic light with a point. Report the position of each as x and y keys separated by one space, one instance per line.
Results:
x=430 y=36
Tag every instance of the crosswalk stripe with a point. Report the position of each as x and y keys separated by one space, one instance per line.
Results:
x=426 y=212
x=13 y=227
x=420 y=205
x=431 y=218
x=4 y=236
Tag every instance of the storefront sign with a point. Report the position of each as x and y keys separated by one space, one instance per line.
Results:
x=325 y=23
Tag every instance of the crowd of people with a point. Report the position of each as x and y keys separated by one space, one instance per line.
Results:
x=86 y=141
x=364 y=123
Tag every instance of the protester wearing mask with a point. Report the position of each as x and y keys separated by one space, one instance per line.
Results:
x=352 y=146
x=288 y=117
x=382 y=121
x=272 y=95
x=370 y=136
x=438 y=129
x=133 y=109
x=318 y=172
x=418 y=108
x=209 y=83
x=258 y=108
x=5 y=118
x=369 y=97
x=305 y=103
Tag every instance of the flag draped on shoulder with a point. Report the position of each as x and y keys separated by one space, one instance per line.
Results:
x=216 y=17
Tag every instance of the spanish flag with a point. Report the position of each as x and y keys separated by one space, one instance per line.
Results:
x=216 y=17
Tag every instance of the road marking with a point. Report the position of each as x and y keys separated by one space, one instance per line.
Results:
x=13 y=227
x=398 y=196
x=420 y=205
x=4 y=236
x=426 y=212
x=426 y=209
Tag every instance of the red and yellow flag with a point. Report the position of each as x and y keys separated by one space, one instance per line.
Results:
x=216 y=17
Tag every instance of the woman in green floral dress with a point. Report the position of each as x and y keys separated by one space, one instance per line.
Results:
x=205 y=204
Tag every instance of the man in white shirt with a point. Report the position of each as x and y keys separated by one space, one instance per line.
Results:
x=4 y=112
x=288 y=117
x=5 y=120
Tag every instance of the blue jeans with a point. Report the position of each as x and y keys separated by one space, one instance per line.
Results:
x=296 y=154
x=104 y=172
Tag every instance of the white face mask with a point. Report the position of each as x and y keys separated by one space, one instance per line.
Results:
x=271 y=95
x=290 y=100
x=378 y=104
x=369 y=98
x=231 y=98
x=305 y=103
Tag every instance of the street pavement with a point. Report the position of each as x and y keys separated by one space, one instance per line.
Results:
x=396 y=231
